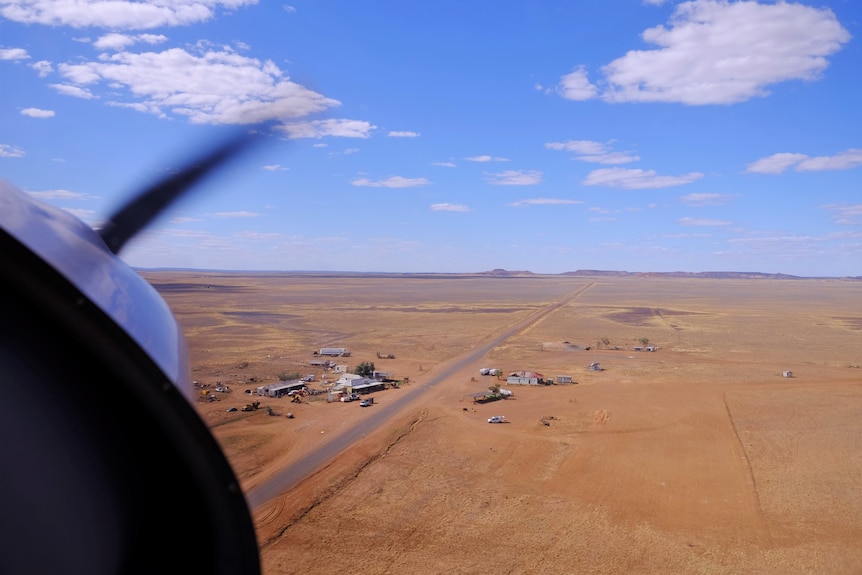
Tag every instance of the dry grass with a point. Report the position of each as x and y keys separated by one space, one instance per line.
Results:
x=698 y=458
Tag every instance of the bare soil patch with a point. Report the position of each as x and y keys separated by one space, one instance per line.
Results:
x=697 y=458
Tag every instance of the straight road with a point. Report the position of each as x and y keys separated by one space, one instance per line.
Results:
x=311 y=462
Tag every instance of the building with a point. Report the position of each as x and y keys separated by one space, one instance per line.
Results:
x=357 y=384
x=564 y=379
x=333 y=351
x=368 y=387
x=280 y=389
x=525 y=378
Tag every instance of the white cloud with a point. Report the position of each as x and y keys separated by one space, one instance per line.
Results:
x=341 y=128
x=7 y=151
x=37 y=113
x=76 y=91
x=719 y=52
x=444 y=164
x=275 y=168
x=288 y=8
x=775 y=164
x=848 y=215
x=610 y=158
x=449 y=208
x=702 y=222
x=61 y=195
x=115 y=41
x=485 y=158
x=43 y=68
x=13 y=54
x=636 y=179
x=544 y=202
x=706 y=199
x=583 y=147
x=515 y=178
x=779 y=163
x=115 y=14
x=393 y=134
x=391 y=182
x=843 y=161
x=593 y=152
x=214 y=87
x=576 y=86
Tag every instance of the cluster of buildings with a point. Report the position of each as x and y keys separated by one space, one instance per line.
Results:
x=348 y=384
x=528 y=377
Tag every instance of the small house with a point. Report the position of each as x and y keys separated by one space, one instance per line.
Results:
x=564 y=379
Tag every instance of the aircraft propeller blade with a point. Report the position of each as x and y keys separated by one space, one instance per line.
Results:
x=144 y=207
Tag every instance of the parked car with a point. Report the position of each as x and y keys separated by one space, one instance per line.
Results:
x=497 y=419
x=366 y=402
x=230 y=409
x=351 y=397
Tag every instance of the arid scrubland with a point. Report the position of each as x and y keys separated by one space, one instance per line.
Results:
x=699 y=457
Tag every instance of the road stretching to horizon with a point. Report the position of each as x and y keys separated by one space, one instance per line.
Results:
x=316 y=459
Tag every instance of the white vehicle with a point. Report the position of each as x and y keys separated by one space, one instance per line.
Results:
x=497 y=419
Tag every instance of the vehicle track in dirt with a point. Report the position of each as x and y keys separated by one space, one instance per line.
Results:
x=315 y=460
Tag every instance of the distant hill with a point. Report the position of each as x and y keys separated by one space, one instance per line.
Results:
x=506 y=273
x=498 y=272
x=725 y=275
x=616 y=273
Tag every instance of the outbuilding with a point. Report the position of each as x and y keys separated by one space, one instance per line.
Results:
x=334 y=351
x=280 y=389
x=525 y=378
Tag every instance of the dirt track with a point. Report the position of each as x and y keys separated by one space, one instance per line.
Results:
x=698 y=458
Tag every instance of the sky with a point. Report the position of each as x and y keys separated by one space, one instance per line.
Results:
x=450 y=136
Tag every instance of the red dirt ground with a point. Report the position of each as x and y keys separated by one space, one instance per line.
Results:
x=698 y=458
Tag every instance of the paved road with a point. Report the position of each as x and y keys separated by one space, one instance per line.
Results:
x=311 y=462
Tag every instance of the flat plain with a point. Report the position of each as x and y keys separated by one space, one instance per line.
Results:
x=699 y=457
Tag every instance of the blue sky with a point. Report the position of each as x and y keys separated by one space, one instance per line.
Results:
x=452 y=136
